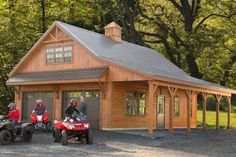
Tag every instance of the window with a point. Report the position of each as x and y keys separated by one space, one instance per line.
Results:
x=177 y=106
x=161 y=103
x=59 y=58
x=59 y=54
x=135 y=103
x=50 y=58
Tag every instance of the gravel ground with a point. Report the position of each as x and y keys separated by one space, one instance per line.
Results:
x=122 y=144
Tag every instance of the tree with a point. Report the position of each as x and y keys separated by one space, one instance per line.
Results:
x=181 y=27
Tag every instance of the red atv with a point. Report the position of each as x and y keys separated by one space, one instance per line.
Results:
x=41 y=121
x=72 y=128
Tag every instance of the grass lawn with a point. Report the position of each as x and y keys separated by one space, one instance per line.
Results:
x=211 y=119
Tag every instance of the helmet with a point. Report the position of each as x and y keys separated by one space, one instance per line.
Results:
x=12 y=105
x=39 y=101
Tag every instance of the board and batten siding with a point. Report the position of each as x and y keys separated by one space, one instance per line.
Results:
x=119 y=120
x=181 y=120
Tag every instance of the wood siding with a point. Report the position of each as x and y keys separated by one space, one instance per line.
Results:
x=120 y=120
x=181 y=120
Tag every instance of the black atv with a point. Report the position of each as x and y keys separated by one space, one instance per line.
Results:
x=8 y=134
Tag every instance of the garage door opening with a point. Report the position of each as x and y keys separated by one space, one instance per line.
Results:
x=29 y=104
x=92 y=99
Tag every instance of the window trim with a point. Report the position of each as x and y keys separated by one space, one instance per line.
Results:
x=54 y=53
x=125 y=109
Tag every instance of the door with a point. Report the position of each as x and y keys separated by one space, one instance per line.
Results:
x=29 y=99
x=93 y=102
x=160 y=112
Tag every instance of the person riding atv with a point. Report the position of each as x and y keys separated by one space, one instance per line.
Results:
x=75 y=125
x=13 y=115
x=10 y=127
x=71 y=110
x=40 y=117
x=39 y=109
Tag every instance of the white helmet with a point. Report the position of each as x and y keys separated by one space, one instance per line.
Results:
x=39 y=101
x=12 y=105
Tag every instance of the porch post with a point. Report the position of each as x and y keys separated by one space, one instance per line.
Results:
x=151 y=93
x=228 y=99
x=172 y=92
x=189 y=94
x=218 y=98
x=204 y=97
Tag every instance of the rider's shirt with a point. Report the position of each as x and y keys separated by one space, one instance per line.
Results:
x=14 y=115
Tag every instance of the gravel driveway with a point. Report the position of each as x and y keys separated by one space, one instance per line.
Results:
x=197 y=143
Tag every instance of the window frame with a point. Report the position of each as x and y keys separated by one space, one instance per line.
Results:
x=145 y=101
x=59 y=52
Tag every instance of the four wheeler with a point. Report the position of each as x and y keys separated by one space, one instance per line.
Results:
x=72 y=128
x=41 y=121
x=8 y=134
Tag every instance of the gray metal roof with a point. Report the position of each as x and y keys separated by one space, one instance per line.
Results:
x=94 y=73
x=131 y=55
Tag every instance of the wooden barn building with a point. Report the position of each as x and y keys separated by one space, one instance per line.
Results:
x=126 y=86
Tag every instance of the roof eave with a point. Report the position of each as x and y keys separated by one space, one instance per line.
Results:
x=213 y=89
x=52 y=82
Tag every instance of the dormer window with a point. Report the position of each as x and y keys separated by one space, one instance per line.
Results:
x=59 y=55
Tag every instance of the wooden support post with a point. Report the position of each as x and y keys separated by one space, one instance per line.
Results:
x=172 y=92
x=204 y=97
x=17 y=89
x=218 y=98
x=228 y=99
x=56 y=90
x=151 y=92
x=102 y=89
x=189 y=94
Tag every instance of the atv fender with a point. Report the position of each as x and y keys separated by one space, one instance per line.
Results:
x=27 y=125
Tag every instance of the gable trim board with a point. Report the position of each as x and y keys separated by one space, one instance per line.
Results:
x=150 y=76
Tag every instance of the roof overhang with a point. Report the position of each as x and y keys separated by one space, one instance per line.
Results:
x=193 y=86
x=57 y=77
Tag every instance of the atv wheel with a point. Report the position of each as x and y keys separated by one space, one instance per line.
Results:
x=56 y=135
x=5 y=137
x=26 y=135
x=64 y=140
x=89 y=137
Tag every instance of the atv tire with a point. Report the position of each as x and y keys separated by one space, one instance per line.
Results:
x=64 y=140
x=26 y=135
x=89 y=137
x=56 y=135
x=5 y=137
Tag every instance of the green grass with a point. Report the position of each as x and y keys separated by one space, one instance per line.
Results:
x=211 y=119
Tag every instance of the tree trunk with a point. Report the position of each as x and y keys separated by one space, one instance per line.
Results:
x=43 y=16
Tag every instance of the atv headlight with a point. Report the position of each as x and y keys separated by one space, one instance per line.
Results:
x=86 y=126
x=71 y=120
